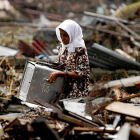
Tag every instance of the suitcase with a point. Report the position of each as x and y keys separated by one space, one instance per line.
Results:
x=34 y=86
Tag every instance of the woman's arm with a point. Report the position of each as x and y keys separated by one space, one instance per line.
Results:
x=53 y=76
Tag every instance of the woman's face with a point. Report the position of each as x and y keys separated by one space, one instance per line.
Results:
x=64 y=36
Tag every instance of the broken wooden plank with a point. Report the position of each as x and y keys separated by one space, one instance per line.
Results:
x=120 y=51
x=124 y=108
x=95 y=129
x=136 y=36
x=129 y=97
x=106 y=104
x=105 y=31
x=20 y=24
x=124 y=82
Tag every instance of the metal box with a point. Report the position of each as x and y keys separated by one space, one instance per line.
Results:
x=34 y=86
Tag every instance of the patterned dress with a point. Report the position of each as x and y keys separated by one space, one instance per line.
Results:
x=78 y=62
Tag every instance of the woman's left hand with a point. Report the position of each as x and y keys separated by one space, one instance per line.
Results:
x=52 y=77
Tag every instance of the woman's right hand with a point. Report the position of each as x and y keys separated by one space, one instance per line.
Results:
x=52 y=77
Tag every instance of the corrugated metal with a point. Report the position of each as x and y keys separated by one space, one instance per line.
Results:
x=102 y=57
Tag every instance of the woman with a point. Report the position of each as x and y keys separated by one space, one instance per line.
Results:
x=73 y=55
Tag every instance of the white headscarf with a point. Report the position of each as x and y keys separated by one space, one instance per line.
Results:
x=75 y=34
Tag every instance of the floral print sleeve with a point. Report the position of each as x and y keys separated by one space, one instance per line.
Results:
x=82 y=62
x=78 y=62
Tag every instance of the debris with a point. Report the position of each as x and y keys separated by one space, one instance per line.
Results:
x=10 y=116
x=75 y=106
x=75 y=115
x=95 y=129
x=37 y=128
x=36 y=48
x=26 y=49
x=114 y=19
x=124 y=108
x=127 y=12
x=32 y=89
x=7 y=7
x=71 y=120
x=125 y=54
x=109 y=59
x=42 y=130
x=4 y=51
x=135 y=132
x=124 y=132
x=129 y=97
x=97 y=104
x=48 y=37
x=125 y=82
x=135 y=35
x=1 y=131
x=114 y=79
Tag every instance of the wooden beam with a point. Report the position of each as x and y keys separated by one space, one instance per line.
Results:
x=105 y=17
x=96 y=129
x=124 y=108
x=105 y=31
x=136 y=36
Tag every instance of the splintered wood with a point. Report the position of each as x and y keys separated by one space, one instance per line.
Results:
x=124 y=108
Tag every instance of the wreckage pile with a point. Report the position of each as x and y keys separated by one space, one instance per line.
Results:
x=111 y=111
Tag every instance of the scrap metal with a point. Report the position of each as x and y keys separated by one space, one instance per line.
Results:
x=35 y=86
x=100 y=56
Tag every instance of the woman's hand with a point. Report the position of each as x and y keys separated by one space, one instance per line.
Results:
x=53 y=76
